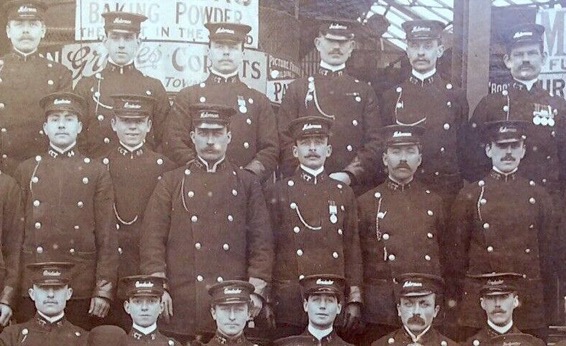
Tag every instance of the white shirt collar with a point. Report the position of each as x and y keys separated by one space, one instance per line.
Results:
x=213 y=168
x=313 y=172
x=500 y=329
x=225 y=76
x=62 y=151
x=51 y=319
x=126 y=64
x=402 y=184
x=505 y=174
x=332 y=68
x=145 y=330
x=319 y=333
x=25 y=55
x=423 y=76
x=528 y=83
x=132 y=149
x=416 y=338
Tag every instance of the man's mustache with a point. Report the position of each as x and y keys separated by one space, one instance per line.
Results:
x=416 y=320
x=508 y=158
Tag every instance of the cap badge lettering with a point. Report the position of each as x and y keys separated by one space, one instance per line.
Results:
x=420 y=28
x=401 y=134
x=520 y=34
x=505 y=129
x=144 y=284
x=494 y=282
x=324 y=282
x=132 y=106
x=47 y=272
x=412 y=284
x=209 y=115
x=232 y=290
x=26 y=9
x=512 y=343
x=119 y=20
x=337 y=26
x=222 y=30
x=311 y=126
x=61 y=102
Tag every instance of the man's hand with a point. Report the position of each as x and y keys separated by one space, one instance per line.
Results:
x=341 y=176
x=167 y=302
x=99 y=307
x=256 y=305
x=5 y=314
x=352 y=318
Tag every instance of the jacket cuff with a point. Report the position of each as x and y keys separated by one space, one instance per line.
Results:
x=256 y=167
x=104 y=289
x=355 y=295
x=8 y=296
x=260 y=288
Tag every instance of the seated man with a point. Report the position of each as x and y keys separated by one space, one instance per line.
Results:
x=50 y=293
x=231 y=309
x=498 y=298
x=323 y=296
x=144 y=306
x=417 y=308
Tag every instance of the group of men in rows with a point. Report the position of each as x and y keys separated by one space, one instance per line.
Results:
x=109 y=181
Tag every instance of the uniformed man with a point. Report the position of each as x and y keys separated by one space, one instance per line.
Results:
x=323 y=296
x=68 y=213
x=498 y=298
x=401 y=213
x=143 y=304
x=25 y=77
x=119 y=76
x=206 y=222
x=504 y=223
x=50 y=291
x=417 y=308
x=255 y=145
x=230 y=308
x=315 y=226
x=425 y=99
x=526 y=100
x=135 y=170
x=335 y=95
x=11 y=235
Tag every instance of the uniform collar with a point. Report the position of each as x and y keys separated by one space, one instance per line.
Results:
x=136 y=151
x=417 y=338
x=526 y=85
x=312 y=176
x=225 y=340
x=320 y=334
x=422 y=79
x=141 y=333
x=112 y=66
x=495 y=174
x=219 y=78
x=68 y=152
x=24 y=57
x=395 y=186
x=326 y=69
x=49 y=322
x=204 y=165
x=501 y=330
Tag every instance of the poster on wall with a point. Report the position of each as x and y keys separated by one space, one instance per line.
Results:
x=281 y=72
x=552 y=73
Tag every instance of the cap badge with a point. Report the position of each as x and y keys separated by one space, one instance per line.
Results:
x=505 y=129
x=26 y=9
x=51 y=273
x=412 y=284
x=401 y=134
x=420 y=28
x=520 y=34
x=61 y=102
x=324 y=282
x=131 y=106
x=144 y=284
x=222 y=30
x=232 y=290
x=209 y=115
x=337 y=26
x=120 y=20
x=311 y=126
x=494 y=282
x=512 y=343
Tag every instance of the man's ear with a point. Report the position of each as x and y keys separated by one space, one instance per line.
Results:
x=436 y=310
x=305 y=305
x=31 y=293
x=69 y=293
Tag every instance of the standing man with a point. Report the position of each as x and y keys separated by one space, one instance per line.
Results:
x=25 y=77
x=206 y=222
x=417 y=307
x=254 y=145
x=315 y=226
x=525 y=100
x=397 y=215
x=437 y=105
x=68 y=214
x=49 y=289
x=337 y=96
x=143 y=305
x=119 y=76
x=135 y=169
x=231 y=309
x=504 y=223
x=498 y=298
